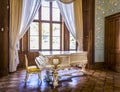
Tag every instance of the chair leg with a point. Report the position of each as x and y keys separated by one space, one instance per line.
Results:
x=26 y=78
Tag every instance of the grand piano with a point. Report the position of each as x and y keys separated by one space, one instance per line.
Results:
x=67 y=59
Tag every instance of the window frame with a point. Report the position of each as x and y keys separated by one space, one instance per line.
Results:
x=63 y=37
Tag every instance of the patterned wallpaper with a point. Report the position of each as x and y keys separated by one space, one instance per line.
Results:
x=99 y=21
x=103 y=8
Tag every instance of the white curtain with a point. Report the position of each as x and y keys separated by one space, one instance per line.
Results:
x=22 y=13
x=73 y=19
x=30 y=7
x=67 y=12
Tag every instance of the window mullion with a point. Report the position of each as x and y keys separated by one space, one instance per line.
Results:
x=61 y=31
x=29 y=39
x=51 y=26
x=40 y=28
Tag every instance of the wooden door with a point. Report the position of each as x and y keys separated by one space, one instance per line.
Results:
x=112 y=42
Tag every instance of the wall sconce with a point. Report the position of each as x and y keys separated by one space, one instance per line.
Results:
x=2 y=29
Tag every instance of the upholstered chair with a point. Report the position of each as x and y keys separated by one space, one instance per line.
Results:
x=31 y=70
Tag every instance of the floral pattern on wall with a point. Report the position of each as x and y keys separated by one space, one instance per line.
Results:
x=103 y=8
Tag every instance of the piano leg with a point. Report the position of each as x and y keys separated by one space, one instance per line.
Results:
x=55 y=78
x=83 y=65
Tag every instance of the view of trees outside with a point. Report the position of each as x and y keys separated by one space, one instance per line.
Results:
x=45 y=10
x=45 y=35
x=56 y=36
x=34 y=35
x=55 y=12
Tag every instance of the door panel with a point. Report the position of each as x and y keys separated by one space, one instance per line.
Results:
x=112 y=42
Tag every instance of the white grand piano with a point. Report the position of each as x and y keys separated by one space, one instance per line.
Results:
x=68 y=59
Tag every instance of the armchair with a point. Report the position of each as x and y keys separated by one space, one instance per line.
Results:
x=31 y=69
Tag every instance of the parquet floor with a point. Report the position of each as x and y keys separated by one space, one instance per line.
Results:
x=94 y=81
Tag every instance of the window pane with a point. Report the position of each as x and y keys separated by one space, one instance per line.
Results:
x=54 y=4
x=45 y=36
x=56 y=42
x=45 y=28
x=45 y=3
x=56 y=29
x=45 y=13
x=45 y=42
x=72 y=42
x=34 y=28
x=34 y=42
x=56 y=14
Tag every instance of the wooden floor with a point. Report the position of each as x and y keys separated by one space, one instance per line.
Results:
x=94 y=81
